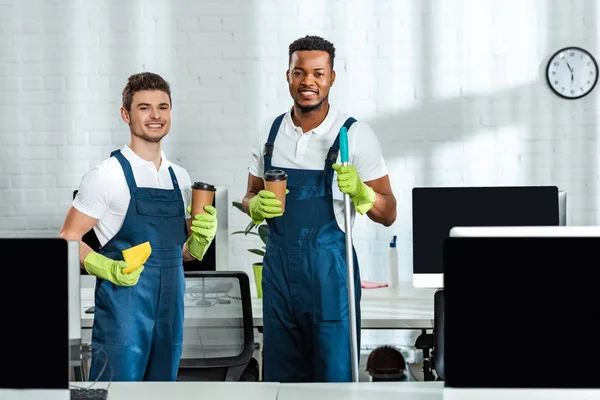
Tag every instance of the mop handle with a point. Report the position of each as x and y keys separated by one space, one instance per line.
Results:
x=344 y=145
x=349 y=263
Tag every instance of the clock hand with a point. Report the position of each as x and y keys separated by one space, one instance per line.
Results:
x=570 y=69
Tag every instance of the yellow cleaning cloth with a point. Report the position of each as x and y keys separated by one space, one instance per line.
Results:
x=136 y=256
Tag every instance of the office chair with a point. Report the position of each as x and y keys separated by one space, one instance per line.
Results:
x=386 y=364
x=438 y=334
x=425 y=343
x=218 y=338
x=432 y=344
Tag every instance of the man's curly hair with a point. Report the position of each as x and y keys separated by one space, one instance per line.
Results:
x=143 y=81
x=309 y=42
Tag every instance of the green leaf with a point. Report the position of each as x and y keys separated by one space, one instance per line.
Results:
x=257 y=251
x=263 y=232
x=245 y=233
x=249 y=227
x=238 y=205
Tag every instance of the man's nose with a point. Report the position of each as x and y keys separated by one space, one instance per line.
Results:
x=308 y=79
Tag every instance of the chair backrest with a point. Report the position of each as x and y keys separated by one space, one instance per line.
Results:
x=218 y=328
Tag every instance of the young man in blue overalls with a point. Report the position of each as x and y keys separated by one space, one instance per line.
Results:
x=305 y=300
x=134 y=196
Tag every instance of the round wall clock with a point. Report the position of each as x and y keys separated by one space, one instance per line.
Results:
x=572 y=72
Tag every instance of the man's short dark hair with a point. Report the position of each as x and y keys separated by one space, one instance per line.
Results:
x=312 y=43
x=144 y=81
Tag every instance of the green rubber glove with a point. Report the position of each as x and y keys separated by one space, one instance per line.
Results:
x=348 y=181
x=264 y=205
x=111 y=270
x=204 y=229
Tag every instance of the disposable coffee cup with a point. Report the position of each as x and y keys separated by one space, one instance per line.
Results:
x=203 y=194
x=276 y=182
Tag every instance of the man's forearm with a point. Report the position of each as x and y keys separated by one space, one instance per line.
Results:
x=384 y=209
x=84 y=249
x=246 y=202
x=186 y=254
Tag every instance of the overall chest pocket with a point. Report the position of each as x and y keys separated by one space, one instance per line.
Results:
x=159 y=203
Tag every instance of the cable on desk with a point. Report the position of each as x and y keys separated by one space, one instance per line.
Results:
x=201 y=343
x=411 y=373
x=106 y=363
x=202 y=295
x=213 y=297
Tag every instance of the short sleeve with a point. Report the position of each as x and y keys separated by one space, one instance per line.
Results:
x=257 y=163
x=367 y=155
x=93 y=195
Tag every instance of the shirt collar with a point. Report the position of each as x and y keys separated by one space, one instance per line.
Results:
x=137 y=161
x=325 y=127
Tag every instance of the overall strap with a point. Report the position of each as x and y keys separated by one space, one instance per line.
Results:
x=126 y=169
x=268 y=151
x=332 y=154
x=173 y=179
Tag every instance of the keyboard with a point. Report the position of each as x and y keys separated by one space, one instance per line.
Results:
x=89 y=394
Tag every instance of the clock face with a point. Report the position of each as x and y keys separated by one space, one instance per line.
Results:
x=572 y=72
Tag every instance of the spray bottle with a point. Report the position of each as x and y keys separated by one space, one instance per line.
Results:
x=393 y=277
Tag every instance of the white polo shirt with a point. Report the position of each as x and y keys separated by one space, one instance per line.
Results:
x=297 y=150
x=104 y=194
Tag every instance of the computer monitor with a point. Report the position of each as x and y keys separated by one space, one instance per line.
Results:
x=36 y=323
x=513 y=298
x=435 y=210
x=74 y=268
x=562 y=208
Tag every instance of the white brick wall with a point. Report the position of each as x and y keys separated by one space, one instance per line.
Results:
x=454 y=89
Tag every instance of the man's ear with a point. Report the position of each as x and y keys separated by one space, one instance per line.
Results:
x=332 y=78
x=287 y=75
x=125 y=115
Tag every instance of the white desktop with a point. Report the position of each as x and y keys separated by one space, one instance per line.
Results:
x=436 y=280
x=525 y=231
x=541 y=232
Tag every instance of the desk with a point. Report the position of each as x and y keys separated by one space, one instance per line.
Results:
x=362 y=391
x=384 y=308
x=267 y=390
x=188 y=390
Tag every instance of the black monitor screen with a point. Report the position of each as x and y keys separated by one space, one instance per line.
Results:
x=436 y=210
x=34 y=337
x=521 y=312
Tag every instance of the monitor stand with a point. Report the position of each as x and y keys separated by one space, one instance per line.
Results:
x=203 y=302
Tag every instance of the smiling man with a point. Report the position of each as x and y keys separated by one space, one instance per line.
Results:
x=305 y=301
x=138 y=196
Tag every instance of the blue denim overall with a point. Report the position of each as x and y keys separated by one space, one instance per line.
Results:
x=140 y=328
x=304 y=283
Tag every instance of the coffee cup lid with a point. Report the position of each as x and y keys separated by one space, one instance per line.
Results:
x=203 y=186
x=275 y=175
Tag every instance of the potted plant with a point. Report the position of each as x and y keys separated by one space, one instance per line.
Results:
x=260 y=230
